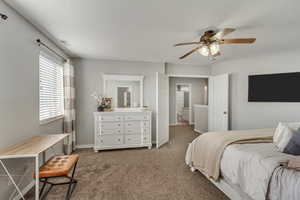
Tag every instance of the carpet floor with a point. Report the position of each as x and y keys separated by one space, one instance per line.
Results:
x=140 y=174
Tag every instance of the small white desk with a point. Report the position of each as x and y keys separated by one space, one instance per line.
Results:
x=30 y=148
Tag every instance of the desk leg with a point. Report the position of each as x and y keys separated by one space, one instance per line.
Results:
x=12 y=180
x=37 y=181
x=44 y=157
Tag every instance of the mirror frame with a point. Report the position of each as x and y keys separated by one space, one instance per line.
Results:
x=120 y=77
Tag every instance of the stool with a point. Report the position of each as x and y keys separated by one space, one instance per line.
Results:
x=59 y=166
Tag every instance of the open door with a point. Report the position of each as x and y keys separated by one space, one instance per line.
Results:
x=218 y=87
x=162 y=109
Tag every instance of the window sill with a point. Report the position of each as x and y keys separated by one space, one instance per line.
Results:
x=50 y=120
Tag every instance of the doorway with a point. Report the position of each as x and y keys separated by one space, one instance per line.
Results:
x=186 y=92
x=183 y=99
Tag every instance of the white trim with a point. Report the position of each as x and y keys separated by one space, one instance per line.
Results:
x=188 y=76
x=84 y=146
x=25 y=190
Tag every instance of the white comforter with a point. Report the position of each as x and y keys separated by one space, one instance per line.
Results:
x=252 y=167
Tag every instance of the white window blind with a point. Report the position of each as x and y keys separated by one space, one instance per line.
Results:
x=51 y=87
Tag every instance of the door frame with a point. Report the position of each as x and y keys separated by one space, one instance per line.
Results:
x=190 y=102
x=186 y=76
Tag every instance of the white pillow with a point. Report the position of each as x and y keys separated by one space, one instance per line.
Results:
x=283 y=134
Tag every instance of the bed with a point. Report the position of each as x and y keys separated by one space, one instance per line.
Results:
x=252 y=171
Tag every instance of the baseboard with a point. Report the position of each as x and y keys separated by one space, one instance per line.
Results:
x=25 y=190
x=84 y=146
x=172 y=124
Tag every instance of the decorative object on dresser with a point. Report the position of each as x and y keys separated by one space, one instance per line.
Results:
x=122 y=129
x=103 y=103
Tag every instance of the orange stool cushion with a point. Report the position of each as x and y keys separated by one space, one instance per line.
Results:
x=58 y=166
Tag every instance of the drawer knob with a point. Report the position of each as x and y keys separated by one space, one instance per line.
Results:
x=119 y=140
x=101 y=141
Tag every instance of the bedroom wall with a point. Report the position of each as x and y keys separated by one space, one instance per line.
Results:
x=246 y=115
x=19 y=97
x=198 y=96
x=185 y=69
x=89 y=73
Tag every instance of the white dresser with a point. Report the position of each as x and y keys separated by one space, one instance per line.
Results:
x=116 y=130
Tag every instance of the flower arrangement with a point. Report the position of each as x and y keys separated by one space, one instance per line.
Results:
x=103 y=103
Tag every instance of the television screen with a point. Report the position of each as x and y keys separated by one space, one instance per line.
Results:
x=283 y=87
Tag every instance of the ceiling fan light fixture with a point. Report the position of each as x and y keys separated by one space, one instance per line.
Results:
x=204 y=50
x=214 y=48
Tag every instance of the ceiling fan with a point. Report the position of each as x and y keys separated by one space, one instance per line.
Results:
x=209 y=43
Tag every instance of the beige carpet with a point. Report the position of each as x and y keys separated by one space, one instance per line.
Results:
x=140 y=174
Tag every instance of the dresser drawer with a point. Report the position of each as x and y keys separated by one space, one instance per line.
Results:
x=146 y=139
x=146 y=130
x=111 y=131
x=110 y=140
x=145 y=124
x=110 y=118
x=133 y=139
x=110 y=125
x=133 y=131
x=133 y=124
x=136 y=117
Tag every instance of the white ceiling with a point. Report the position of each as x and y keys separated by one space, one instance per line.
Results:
x=145 y=30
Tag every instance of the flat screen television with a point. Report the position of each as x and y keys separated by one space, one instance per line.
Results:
x=283 y=87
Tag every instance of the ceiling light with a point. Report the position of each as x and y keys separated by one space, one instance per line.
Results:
x=204 y=50
x=211 y=49
x=214 y=48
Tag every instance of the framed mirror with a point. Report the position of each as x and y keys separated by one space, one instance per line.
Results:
x=126 y=91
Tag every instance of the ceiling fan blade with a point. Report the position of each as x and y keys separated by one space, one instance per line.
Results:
x=190 y=52
x=186 y=43
x=237 y=41
x=219 y=35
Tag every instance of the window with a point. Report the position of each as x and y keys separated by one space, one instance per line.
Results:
x=51 y=88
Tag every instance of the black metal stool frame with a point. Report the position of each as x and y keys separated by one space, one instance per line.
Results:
x=72 y=184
